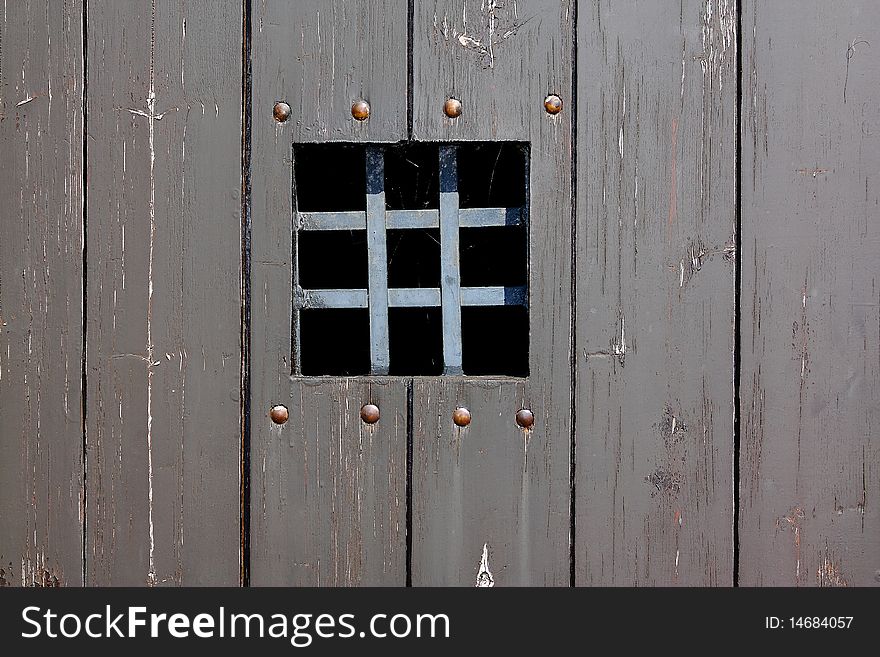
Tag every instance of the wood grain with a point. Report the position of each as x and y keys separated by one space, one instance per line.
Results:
x=655 y=294
x=810 y=458
x=41 y=295
x=329 y=54
x=492 y=484
x=320 y=511
x=331 y=504
x=164 y=280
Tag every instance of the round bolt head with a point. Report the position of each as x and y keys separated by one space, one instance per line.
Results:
x=360 y=110
x=461 y=416
x=452 y=108
x=525 y=418
x=370 y=413
x=281 y=112
x=553 y=104
x=279 y=414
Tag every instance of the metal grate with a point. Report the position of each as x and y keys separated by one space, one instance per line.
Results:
x=377 y=298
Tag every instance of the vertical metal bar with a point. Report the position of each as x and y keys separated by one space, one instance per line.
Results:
x=377 y=259
x=295 y=328
x=450 y=275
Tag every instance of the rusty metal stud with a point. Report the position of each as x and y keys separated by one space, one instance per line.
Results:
x=461 y=416
x=553 y=104
x=281 y=112
x=525 y=418
x=360 y=110
x=452 y=108
x=279 y=414
x=370 y=413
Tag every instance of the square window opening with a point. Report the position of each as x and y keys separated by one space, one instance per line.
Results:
x=411 y=259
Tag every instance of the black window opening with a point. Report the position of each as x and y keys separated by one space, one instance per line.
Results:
x=411 y=259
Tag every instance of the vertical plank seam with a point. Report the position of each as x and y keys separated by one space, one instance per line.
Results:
x=84 y=292
x=245 y=291
x=409 y=478
x=737 y=305
x=573 y=308
x=410 y=70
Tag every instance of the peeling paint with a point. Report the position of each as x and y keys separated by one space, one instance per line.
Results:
x=828 y=574
x=793 y=521
x=497 y=23
x=484 y=576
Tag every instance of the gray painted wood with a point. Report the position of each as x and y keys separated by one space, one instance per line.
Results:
x=487 y=484
x=328 y=54
x=330 y=507
x=655 y=294
x=810 y=302
x=164 y=355
x=319 y=57
x=41 y=250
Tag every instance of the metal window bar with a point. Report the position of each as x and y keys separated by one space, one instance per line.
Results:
x=377 y=298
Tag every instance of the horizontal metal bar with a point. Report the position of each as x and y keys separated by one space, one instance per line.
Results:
x=403 y=219
x=411 y=297
x=353 y=220
x=493 y=296
x=489 y=217
x=414 y=297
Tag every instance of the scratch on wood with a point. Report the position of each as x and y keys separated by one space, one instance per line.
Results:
x=829 y=573
x=491 y=32
x=151 y=105
x=618 y=343
x=793 y=521
x=484 y=576
x=673 y=183
x=850 y=53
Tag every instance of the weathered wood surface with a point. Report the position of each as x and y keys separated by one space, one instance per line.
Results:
x=41 y=252
x=810 y=458
x=164 y=279
x=492 y=483
x=655 y=295
x=331 y=506
x=320 y=512
x=142 y=486
x=324 y=55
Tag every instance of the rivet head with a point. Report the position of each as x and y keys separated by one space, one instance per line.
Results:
x=279 y=414
x=525 y=418
x=553 y=104
x=370 y=413
x=452 y=108
x=281 y=112
x=360 y=110
x=461 y=416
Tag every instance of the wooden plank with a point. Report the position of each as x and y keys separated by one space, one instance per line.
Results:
x=164 y=355
x=331 y=506
x=319 y=57
x=329 y=54
x=41 y=295
x=655 y=294
x=499 y=59
x=491 y=484
x=488 y=484
x=810 y=458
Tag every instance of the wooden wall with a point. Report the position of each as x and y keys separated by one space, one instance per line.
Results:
x=705 y=256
